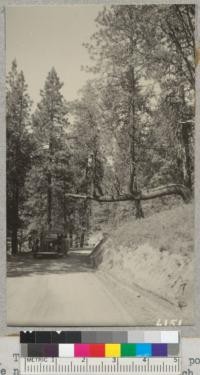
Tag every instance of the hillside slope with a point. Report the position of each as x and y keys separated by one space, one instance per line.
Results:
x=156 y=253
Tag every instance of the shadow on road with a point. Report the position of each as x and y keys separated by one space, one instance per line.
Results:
x=28 y=266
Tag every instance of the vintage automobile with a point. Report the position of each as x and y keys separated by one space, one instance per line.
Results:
x=51 y=244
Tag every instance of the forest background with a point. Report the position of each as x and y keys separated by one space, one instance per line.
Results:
x=128 y=137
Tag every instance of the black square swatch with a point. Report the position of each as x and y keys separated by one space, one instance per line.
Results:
x=27 y=337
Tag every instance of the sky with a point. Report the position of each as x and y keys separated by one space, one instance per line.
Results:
x=41 y=37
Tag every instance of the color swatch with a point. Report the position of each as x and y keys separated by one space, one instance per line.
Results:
x=87 y=337
x=99 y=344
x=108 y=350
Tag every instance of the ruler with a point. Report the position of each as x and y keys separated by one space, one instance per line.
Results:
x=99 y=366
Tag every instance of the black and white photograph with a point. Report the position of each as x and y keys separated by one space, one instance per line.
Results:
x=100 y=122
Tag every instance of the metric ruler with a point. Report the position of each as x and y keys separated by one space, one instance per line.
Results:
x=100 y=366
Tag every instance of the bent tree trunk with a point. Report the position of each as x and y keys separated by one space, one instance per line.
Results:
x=161 y=191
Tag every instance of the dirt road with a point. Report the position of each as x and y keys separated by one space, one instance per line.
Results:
x=68 y=292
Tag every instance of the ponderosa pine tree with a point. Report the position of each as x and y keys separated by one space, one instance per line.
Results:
x=116 y=48
x=50 y=175
x=88 y=163
x=128 y=52
x=19 y=148
x=169 y=43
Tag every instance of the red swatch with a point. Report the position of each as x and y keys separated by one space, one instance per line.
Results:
x=97 y=350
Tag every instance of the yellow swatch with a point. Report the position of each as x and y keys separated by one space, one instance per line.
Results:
x=112 y=350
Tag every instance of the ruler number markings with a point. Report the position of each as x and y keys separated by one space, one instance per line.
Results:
x=99 y=366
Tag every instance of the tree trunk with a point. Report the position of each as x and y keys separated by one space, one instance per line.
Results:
x=139 y=211
x=90 y=190
x=85 y=222
x=186 y=143
x=71 y=242
x=133 y=186
x=185 y=132
x=49 y=203
x=15 y=221
x=133 y=167
x=65 y=221
x=14 y=241
x=82 y=239
x=49 y=192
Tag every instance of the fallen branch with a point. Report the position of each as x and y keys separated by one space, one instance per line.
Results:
x=173 y=189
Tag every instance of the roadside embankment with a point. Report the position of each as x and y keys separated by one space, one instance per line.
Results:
x=156 y=253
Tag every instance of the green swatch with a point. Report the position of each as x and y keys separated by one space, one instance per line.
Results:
x=128 y=350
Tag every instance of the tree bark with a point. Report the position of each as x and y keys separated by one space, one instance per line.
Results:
x=15 y=221
x=49 y=202
x=49 y=189
x=14 y=241
x=186 y=142
x=90 y=190
x=82 y=239
x=133 y=186
x=185 y=132
x=133 y=167
x=65 y=221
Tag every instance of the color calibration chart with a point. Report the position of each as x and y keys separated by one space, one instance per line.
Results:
x=100 y=352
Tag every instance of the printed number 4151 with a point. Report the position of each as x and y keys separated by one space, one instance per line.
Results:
x=168 y=322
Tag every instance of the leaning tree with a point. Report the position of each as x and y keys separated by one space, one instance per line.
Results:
x=127 y=52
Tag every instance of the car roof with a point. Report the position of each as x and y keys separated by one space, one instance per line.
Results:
x=51 y=237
